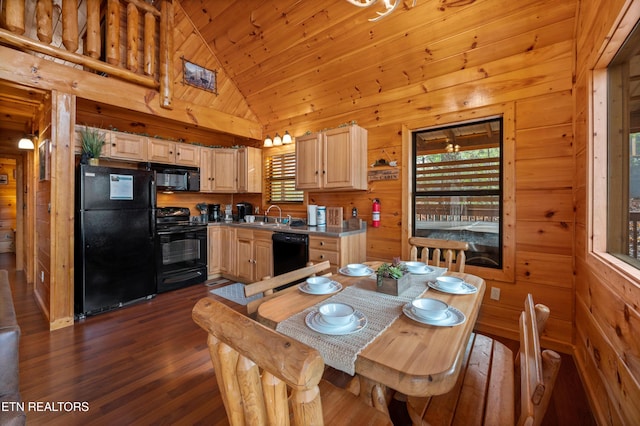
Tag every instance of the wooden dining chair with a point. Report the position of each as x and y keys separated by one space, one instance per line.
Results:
x=484 y=392
x=268 y=285
x=266 y=378
x=432 y=250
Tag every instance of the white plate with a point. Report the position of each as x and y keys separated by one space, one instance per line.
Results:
x=465 y=288
x=424 y=271
x=454 y=317
x=345 y=271
x=316 y=323
x=334 y=287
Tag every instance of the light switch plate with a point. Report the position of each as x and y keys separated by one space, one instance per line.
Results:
x=495 y=293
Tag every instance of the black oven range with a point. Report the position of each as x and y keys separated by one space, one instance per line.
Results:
x=181 y=249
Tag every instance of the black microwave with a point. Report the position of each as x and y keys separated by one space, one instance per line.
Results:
x=172 y=178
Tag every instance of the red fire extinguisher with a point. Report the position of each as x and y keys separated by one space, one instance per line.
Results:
x=375 y=216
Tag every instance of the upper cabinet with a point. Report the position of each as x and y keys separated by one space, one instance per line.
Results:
x=249 y=169
x=167 y=152
x=335 y=159
x=218 y=170
x=125 y=146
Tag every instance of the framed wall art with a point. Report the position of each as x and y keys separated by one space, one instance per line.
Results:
x=200 y=77
x=43 y=159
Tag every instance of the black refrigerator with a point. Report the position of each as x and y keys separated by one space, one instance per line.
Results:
x=114 y=245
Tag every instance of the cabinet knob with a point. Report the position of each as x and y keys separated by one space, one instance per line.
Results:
x=321 y=243
x=322 y=256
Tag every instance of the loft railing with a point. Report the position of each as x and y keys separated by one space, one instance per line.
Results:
x=137 y=37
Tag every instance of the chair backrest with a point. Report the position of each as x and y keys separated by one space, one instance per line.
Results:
x=538 y=369
x=256 y=368
x=430 y=251
x=268 y=284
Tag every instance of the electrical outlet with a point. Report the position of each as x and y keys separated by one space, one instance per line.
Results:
x=495 y=293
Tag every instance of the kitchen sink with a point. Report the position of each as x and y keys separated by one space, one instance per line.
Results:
x=266 y=224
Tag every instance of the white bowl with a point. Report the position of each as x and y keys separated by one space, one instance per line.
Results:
x=415 y=266
x=449 y=283
x=357 y=268
x=336 y=313
x=318 y=283
x=432 y=309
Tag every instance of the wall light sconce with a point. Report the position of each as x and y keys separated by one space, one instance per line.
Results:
x=26 y=142
x=277 y=140
x=268 y=142
x=286 y=138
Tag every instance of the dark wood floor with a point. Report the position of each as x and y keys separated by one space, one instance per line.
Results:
x=148 y=364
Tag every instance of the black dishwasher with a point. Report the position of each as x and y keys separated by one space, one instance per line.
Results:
x=290 y=252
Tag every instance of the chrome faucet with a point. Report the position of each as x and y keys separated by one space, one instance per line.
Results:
x=266 y=214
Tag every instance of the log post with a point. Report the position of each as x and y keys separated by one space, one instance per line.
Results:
x=166 y=54
x=93 y=48
x=149 y=43
x=133 y=20
x=13 y=16
x=44 y=13
x=70 y=24
x=113 y=32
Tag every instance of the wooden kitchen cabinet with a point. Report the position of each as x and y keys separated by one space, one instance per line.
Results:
x=254 y=257
x=125 y=146
x=249 y=169
x=339 y=251
x=214 y=265
x=228 y=250
x=106 y=148
x=218 y=170
x=335 y=159
x=168 y=152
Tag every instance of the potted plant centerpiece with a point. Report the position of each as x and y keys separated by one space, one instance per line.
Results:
x=92 y=142
x=393 y=278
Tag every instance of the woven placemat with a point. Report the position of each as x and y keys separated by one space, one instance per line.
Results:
x=340 y=352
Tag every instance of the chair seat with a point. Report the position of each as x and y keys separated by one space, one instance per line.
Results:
x=340 y=407
x=486 y=381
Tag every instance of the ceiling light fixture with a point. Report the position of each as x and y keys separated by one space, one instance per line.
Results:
x=268 y=142
x=388 y=5
x=26 y=142
x=452 y=148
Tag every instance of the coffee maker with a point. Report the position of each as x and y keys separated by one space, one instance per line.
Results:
x=243 y=210
x=214 y=213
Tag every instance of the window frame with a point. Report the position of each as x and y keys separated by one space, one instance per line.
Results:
x=597 y=155
x=507 y=111
x=288 y=150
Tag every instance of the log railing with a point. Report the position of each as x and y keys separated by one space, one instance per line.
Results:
x=148 y=65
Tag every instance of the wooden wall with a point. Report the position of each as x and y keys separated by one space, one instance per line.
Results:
x=607 y=291
x=7 y=205
x=530 y=70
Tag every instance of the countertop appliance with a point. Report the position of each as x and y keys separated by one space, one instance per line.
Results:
x=290 y=252
x=214 y=213
x=243 y=210
x=114 y=250
x=181 y=249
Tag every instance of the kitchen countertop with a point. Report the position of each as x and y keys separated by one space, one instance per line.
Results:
x=329 y=231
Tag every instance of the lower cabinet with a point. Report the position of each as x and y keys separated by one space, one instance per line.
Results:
x=339 y=251
x=214 y=265
x=228 y=251
x=254 y=257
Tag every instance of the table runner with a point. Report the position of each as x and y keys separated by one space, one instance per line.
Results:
x=381 y=310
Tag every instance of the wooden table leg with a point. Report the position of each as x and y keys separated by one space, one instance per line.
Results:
x=372 y=393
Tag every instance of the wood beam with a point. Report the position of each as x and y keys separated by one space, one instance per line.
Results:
x=32 y=71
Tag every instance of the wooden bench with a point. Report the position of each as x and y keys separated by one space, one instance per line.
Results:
x=268 y=285
x=484 y=393
x=265 y=377
x=429 y=251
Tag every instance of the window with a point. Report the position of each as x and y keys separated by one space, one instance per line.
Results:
x=623 y=150
x=280 y=179
x=457 y=187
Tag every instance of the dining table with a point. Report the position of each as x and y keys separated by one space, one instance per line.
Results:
x=407 y=356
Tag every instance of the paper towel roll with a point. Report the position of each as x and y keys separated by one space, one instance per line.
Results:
x=312 y=212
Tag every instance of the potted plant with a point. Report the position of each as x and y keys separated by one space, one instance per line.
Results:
x=392 y=278
x=92 y=142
